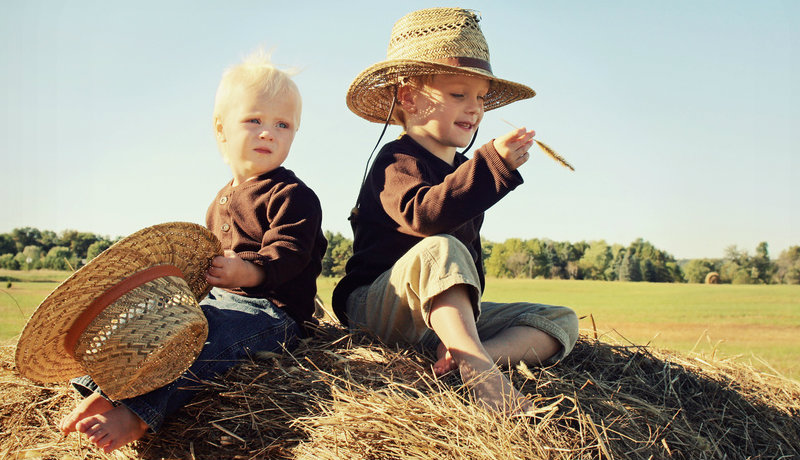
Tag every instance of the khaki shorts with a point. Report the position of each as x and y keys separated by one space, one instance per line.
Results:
x=396 y=307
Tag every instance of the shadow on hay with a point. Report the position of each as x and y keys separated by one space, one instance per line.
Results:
x=608 y=401
x=657 y=404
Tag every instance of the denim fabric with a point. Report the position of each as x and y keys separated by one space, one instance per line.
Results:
x=238 y=327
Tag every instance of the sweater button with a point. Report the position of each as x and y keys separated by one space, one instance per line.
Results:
x=223 y=200
x=225 y=227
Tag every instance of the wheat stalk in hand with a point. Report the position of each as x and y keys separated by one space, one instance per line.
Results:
x=549 y=151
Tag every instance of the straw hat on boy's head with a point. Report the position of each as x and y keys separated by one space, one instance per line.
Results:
x=129 y=318
x=426 y=42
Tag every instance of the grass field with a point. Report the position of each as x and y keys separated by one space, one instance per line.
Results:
x=756 y=324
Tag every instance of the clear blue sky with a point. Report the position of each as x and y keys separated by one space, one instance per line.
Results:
x=681 y=118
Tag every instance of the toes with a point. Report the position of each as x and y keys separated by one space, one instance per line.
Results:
x=444 y=364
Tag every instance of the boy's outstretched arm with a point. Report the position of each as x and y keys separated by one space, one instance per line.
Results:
x=231 y=271
x=513 y=147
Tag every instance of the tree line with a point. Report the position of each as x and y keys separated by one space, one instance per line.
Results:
x=29 y=248
x=598 y=260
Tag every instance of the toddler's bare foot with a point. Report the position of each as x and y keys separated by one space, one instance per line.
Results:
x=491 y=388
x=93 y=405
x=444 y=361
x=112 y=429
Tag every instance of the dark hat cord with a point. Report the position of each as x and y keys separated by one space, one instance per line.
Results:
x=354 y=212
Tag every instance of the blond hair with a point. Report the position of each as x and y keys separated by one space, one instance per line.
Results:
x=256 y=73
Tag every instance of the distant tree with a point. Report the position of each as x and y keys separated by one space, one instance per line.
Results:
x=341 y=254
x=788 y=266
x=22 y=261
x=555 y=263
x=661 y=266
x=761 y=268
x=7 y=245
x=572 y=253
x=539 y=263
x=595 y=260
x=25 y=236
x=732 y=272
x=495 y=264
x=78 y=242
x=96 y=248
x=617 y=254
x=336 y=255
x=486 y=249
x=8 y=262
x=696 y=270
x=33 y=256
x=60 y=258
x=518 y=264
x=48 y=239
x=572 y=270
x=648 y=271
x=736 y=267
x=629 y=269
x=675 y=270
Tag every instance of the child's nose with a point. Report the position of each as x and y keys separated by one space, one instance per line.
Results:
x=475 y=106
x=265 y=135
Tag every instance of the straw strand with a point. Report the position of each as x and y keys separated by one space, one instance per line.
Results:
x=547 y=150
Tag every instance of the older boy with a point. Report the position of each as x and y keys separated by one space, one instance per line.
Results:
x=416 y=276
x=269 y=223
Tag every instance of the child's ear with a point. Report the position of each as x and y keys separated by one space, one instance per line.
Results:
x=406 y=98
x=219 y=132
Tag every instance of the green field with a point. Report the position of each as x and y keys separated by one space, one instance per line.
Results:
x=759 y=325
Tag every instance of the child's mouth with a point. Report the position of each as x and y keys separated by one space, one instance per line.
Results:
x=263 y=150
x=464 y=125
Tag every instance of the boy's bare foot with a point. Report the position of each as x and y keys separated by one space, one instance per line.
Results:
x=112 y=429
x=491 y=387
x=444 y=361
x=93 y=405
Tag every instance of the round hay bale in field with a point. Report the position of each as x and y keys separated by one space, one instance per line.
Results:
x=339 y=396
x=712 y=278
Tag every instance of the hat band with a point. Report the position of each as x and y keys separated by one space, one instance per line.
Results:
x=110 y=296
x=465 y=62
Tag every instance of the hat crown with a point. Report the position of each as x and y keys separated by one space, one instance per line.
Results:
x=437 y=34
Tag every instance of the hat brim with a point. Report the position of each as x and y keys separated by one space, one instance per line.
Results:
x=40 y=353
x=371 y=93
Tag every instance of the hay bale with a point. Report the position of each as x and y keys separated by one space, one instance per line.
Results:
x=712 y=278
x=342 y=397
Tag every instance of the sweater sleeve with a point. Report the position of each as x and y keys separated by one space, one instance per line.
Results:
x=423 y=205
x=295 y=215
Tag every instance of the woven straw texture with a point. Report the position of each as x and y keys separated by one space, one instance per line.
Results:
x=420 y=44
x=147 y=338
x=153 y=333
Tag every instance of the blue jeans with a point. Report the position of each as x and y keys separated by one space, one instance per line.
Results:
x=237 y=327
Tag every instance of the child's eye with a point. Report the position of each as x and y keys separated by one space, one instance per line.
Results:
x=254 y=120
x=459 y=95
x=282 y=124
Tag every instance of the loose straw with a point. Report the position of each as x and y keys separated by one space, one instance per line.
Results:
x=546 y=149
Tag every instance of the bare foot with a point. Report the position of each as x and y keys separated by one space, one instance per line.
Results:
x=491 y=387
x=93 y=405
x=112 y=429
x=444 y=361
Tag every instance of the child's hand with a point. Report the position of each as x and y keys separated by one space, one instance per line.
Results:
x=513 y=147
x=231 y=271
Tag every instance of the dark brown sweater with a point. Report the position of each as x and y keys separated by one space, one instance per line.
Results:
x=274 y=221
x=410 y=194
